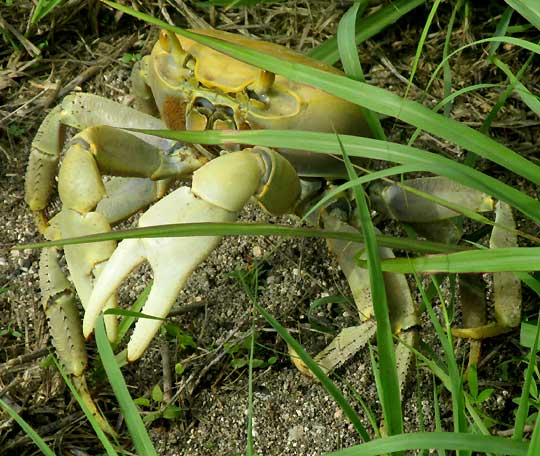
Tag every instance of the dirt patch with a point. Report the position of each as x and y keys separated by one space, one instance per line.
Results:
x=87 y=49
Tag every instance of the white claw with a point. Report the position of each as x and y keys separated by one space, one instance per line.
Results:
x=172 y=261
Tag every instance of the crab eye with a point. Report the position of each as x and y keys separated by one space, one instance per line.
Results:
x=170 y=43
x=203 y=105
x=258 y=90
x=190 y=62
x=264 y=82
x=259 y=101
x=228 y=111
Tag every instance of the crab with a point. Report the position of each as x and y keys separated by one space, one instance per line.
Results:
x=186 y=85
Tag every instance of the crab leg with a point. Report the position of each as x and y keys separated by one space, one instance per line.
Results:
x=220 y=189
x=78 y=111
x=93 y=152
x=58 y=300
x=506 y=286
x=406 y=206
x=473 y=309
x=402 y=202
x=401 y=306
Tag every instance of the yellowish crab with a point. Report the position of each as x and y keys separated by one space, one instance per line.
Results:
x=189 y=86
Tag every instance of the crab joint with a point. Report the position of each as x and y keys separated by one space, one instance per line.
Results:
x=119 y=153
x=229 y=181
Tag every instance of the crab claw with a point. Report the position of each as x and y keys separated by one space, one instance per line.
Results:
x=219 y=191
x=172 y=261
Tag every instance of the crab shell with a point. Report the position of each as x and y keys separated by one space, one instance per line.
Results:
x=195 y=87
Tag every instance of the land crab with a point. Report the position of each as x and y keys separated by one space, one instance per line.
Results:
x=189 y=86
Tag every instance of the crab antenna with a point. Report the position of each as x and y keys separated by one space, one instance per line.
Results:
x=263 y=82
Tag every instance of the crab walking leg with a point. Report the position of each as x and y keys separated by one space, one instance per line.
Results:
x=405 y=202
x=506 y=286
x=220 y=189
x=89 y=206
x=58 y=300
x=78 y=111
x=84 y=259
x=473 y=309
x=401 y=204
x=402 y=309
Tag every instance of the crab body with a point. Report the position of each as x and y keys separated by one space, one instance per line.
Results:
x=194 y=87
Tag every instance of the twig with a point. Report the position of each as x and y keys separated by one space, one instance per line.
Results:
x=186 y=309
x=93 y=70
x=166 y=366
x=27 y=357
x=509 y=432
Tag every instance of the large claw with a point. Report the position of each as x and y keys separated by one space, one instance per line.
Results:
x=172 y=261
x=219 y=191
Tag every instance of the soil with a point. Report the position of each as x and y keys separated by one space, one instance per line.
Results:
x=84 y=48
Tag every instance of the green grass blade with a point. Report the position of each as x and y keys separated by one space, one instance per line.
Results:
x=366 y=28
x=486 y=260
x=421 y=41
x=535 y=48
x=367 y=148
x=138 y=433
x=131 y=313
x=378 y=385
x=445 y=440
x=523 y=407
x=373 y=98
x=28 y=430
x=530 y=10
x=447 y=101
x=527 y=334
x=515 y=84
x=436 y=412
x=452 y=380
x=43 y=8
x=243 y=229
x=501 y=30
x=351 y=63
x=534 y=446
x=128 y=320
x=388 y=392
x=401 y=169
x=85 y=408
x=446 y=380
x=445 y=336
x=447 y=71
x=532 y=102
